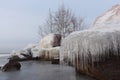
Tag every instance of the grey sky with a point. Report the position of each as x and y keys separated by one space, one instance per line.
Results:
x=19 y=19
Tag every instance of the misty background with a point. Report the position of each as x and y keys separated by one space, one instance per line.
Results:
x=19 y=19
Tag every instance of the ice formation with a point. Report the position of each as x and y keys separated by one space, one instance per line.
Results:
x=50 y=53
x=90 y=45
x=50 y=46
x=95 y=44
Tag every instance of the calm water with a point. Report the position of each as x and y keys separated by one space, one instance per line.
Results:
x=36 y=70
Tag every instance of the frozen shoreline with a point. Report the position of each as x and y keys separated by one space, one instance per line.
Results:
x=42 y=70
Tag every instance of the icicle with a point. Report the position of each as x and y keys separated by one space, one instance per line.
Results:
x=90 y=46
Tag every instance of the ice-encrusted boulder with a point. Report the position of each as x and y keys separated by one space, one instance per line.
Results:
x=30 y=51
x=33 y=49
x=48 y=44
x=109 y=18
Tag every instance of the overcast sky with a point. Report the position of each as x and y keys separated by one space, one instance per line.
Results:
x=19 y=19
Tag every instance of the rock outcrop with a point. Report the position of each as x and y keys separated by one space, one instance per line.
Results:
x=11 y=65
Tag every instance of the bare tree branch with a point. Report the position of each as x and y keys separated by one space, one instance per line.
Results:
x=63 y=22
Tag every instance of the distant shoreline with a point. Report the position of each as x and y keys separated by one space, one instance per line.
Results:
x=4 y=53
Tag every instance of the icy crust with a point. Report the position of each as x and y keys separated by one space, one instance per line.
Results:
x=89 y=46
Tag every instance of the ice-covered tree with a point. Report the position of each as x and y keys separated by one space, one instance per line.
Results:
x=63 y=22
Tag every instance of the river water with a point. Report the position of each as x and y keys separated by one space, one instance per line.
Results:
x=37 y=70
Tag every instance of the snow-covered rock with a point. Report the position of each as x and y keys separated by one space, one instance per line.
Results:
x=47 y=44
x=109 y=18
x=51 y=40
x=31 y=49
